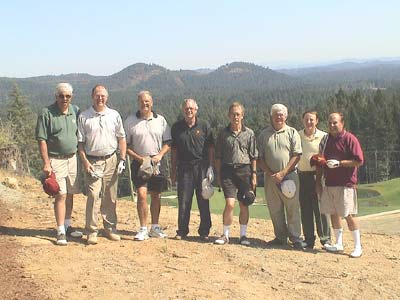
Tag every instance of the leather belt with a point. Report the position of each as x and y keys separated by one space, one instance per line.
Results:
x=104 y=157
x=306 y=172
x=61 y=156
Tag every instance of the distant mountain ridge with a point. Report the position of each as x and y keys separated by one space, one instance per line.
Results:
x=230 y=80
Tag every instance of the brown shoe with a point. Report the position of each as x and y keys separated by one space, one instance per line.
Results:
x=111 y=235
x=92 y=238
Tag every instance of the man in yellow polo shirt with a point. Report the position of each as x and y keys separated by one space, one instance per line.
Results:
x=311 y=137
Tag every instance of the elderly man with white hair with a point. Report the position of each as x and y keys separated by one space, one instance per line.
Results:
x=279 y=152
x=56 y=133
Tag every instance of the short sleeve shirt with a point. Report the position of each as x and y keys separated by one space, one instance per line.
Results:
x=147 y=136
x=345 y=146
x=193 y=142
x=58 y=130
x=233 y=148
x=100 y=131
x=277 y=147
x=310 y=146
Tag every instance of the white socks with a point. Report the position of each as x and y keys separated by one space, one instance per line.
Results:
x=226 y=230
x=61 y=229
x=154 y=226
x=243 y=230
x=143 y=228
x=67 y=223
x=338 y=235
x=356 y=238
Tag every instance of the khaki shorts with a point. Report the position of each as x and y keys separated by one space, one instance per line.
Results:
x=66 y=170
x=339 y=200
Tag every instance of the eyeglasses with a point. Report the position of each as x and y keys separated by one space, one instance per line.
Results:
x=64 y=96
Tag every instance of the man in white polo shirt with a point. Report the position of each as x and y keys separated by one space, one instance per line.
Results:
x=100 y=134
x=148 y=135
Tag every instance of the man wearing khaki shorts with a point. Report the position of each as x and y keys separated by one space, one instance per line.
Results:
x=56 y=135
x=344 y=155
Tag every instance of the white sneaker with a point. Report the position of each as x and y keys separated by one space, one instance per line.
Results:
x=222 y=240
x=357 y=252
x=61 y=240
x=142 y=235
x=334 y=248
x=156 y=232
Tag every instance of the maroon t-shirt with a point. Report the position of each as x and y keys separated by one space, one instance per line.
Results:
x=345 y=146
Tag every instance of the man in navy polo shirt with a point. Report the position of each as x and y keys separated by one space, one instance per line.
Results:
x=192 y=153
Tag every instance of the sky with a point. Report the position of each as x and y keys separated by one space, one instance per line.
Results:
x=102 y=37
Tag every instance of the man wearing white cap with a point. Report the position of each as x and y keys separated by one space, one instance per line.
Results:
x=279 y=152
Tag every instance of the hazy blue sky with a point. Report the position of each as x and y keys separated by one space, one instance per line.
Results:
x=103 y=37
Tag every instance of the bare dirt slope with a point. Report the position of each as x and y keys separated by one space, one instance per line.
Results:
x=32 y=267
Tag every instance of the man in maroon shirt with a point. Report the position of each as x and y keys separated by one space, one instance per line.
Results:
x=344 y=155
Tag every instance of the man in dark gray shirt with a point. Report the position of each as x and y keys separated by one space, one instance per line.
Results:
x=236 y=155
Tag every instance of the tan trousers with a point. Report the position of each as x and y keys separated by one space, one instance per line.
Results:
x=289 y=224
x=103 y=190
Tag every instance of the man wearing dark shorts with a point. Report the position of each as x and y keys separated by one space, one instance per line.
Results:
x=148 y=135
x=235 y=161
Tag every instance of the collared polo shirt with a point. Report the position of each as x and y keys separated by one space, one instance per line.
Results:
x=277 y=147
x=147 y=136
x=234 y=149
x=310 y=146
x=193 y=142
x=58 y=129
x=100 y=131
x=345 y=146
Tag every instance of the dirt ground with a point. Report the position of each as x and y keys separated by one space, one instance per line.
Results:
x=33 y=267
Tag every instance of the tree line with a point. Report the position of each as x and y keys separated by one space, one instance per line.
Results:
x=372 y=115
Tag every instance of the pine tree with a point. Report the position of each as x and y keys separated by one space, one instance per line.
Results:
x=21 y=119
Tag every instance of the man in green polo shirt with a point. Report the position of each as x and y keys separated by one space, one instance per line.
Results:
x=279 y=152
x=56 y=131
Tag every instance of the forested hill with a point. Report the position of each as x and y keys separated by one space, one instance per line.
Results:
x=371 y=74
x=368 y=94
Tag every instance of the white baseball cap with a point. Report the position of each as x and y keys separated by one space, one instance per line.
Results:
x=207 y=190
x=288 y=188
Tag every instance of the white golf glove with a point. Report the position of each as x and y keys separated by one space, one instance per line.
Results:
x=332 y=163
x=121 y=167
x=210 y=174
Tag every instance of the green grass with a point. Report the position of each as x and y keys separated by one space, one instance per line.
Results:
x=379 y=197
x=372 y=198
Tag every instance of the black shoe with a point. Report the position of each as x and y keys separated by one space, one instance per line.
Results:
x=72 y=232
x=276 y=243
x=204 y=238
x=299 y=245
x=309 y=244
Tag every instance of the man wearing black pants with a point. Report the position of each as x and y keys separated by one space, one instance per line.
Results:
x=192 y=153
x=311 y=137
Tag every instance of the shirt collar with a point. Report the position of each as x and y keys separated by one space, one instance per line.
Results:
x=140 y=117
x=100 y=113
x=228 y=128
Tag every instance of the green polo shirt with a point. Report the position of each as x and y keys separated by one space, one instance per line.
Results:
x=58 y=130
x=276 y=148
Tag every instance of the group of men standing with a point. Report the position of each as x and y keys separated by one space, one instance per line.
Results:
x=293 y=187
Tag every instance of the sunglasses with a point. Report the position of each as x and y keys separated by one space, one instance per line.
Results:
x=64 y=96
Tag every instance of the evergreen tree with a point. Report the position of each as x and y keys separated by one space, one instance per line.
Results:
x=21 y=119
